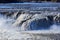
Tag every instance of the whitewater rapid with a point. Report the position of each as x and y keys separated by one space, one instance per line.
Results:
x=6 y=24
x=7 y=31
x=19 y=18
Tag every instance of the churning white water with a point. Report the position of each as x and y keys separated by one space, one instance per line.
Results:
x=55 y=28
x=7 y=31
x=6 y=23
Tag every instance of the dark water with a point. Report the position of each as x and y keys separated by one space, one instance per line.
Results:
x=42 y=24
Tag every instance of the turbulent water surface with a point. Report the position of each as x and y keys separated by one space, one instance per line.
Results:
x=23 y=25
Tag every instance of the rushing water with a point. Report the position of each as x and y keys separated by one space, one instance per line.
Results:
x=7 y=22
x=13 y=26
x=10 y=32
